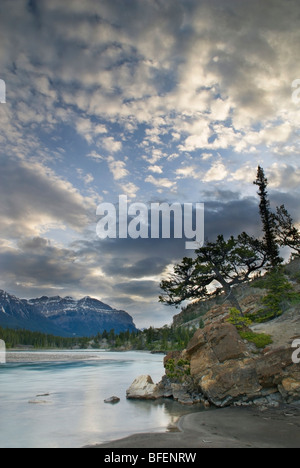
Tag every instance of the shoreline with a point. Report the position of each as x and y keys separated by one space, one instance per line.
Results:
x=231 y=427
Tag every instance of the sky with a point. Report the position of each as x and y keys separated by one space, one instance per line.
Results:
x=160 y=100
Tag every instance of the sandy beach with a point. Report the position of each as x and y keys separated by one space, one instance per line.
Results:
x=225 y=428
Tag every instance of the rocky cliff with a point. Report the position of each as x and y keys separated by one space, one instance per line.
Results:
x=225 y=369
x=219 y=367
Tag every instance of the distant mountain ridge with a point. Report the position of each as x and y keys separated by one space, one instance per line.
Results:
x=62 y=316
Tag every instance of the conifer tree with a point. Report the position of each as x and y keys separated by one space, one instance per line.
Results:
x=269 y=227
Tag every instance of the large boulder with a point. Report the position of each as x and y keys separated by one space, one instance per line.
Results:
x=231 y=381
x=143 y=388
x=214 y=344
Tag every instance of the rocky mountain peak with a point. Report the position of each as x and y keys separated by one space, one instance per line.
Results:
x=62 y=316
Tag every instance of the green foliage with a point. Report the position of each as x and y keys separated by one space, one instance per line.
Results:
x=261 y=340
x=178 y=370
x=280 y=295
x=39 y=340
x=296 y=277
x=152 y=339
x=195 y=310
x=237 y=320
x=201 y=323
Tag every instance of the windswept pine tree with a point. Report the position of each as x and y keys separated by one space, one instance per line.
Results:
x=286 y=232
x=268 y=222
x=224 y=263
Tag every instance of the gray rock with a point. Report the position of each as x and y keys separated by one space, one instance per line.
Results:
x=112 y=400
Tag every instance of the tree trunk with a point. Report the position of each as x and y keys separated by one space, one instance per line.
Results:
x=228 y=291
x=234 y=302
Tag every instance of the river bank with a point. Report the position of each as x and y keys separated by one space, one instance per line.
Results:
x=225 y=428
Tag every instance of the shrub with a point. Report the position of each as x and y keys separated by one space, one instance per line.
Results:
x=280 y=295
x=261 y=340
x=201 y=324
x=178 y=370
x=237 y=320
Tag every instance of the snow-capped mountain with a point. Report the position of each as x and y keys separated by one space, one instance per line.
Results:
x=18 y=313
x=62 y=316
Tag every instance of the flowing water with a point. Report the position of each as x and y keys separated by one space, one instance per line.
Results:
x=56 y=398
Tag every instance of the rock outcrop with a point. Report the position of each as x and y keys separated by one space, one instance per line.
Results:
x=226 y=370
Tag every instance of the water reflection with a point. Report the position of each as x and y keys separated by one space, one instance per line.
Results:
x=76 y=385
x=170 y=411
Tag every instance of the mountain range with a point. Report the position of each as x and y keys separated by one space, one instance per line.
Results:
x=62 y=316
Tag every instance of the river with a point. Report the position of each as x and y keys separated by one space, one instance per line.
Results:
x=55 y=399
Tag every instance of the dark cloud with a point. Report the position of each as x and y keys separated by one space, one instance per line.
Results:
x=32 y=195
x=291 y=202
x=142 y=289
x=232 y=218
x=46 y=267
x=147 y=266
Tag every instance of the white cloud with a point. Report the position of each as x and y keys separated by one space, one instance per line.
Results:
x=117 y=168
x=111 y=145
x=130 y=189
x=216 y=173
x=201 y=133
x=225 y=137
x=206 y=156
x=95 y=156
x=100 y=129
x=284 y=176
x=156 y=155
x=219 y=109
x=87 y=178
x=173 y=156
x=86 y=129
x=159 y=77
x=245 y=174
x=155 y=169
x=272 y=135
x=161 y=183
x=187 y=172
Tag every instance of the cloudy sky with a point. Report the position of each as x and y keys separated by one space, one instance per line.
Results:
x=159 y=100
